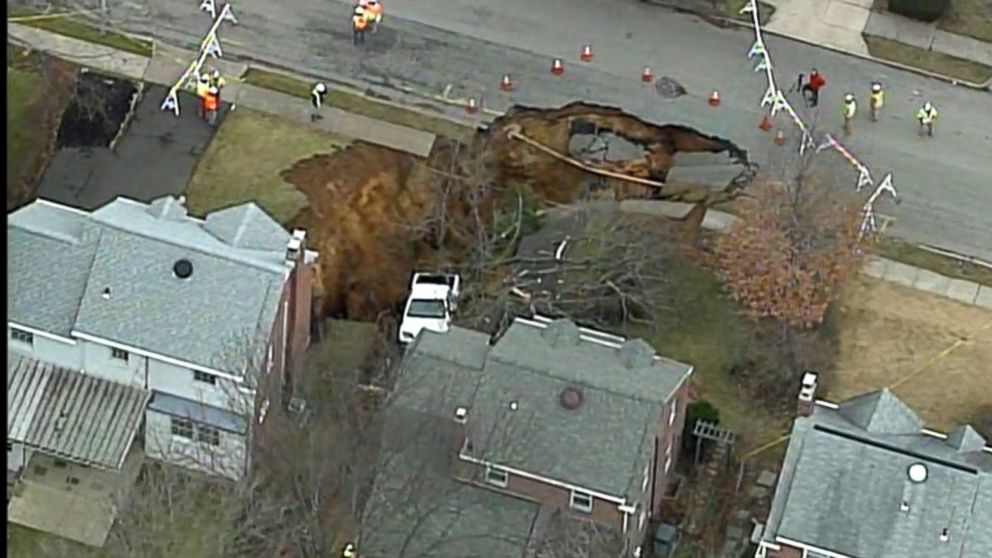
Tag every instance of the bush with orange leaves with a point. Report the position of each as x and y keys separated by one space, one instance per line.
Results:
x=790 y=252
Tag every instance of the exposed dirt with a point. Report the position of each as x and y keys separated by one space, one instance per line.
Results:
x=368 y=205
x=97 y=111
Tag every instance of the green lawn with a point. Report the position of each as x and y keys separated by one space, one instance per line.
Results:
x=360 y=104
x=243 y=162
x=74 y=27
x=907 y=253
x=972 y=18
x=927 y=60
x=23 y=542
x=23 y=140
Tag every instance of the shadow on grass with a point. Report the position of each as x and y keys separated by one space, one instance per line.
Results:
x=936 y=62
x=63 y=24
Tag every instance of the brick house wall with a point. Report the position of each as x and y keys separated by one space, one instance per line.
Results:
x=603 y=511
x=297 y=299
x=670 y=440
x=786 y=551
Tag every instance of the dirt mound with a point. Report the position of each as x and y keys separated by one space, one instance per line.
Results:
x=374 y=213
x=97 y=111
x=365 y=203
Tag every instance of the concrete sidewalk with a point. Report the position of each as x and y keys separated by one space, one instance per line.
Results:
x=168 y=63
x=839 y=24
x=879 y=268
x=417 y=143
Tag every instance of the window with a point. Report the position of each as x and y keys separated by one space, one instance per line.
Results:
x=207 y=435
x=581 y=501
x=10 y=446
x=668 y=463
x=496 y=476
x=204 y=377
x=22 y=336
x=119 y=354
x=641 y=520
x=644 y=481
x=637 y=552
x=673 y=409
x=182 y=428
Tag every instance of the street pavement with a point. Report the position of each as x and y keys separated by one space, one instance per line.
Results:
x=945 y=182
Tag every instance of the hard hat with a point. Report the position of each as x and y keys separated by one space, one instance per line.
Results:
x=927 y=106
x=848 y=98
x=876 y=87
x=216 y=73
x=814 y=71
x=213 y=90
x=349 y=546
x=320 y=87
x=204 y=77
x=359 y=10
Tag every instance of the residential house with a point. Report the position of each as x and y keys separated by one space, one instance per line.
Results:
x=498 y=447
x=865 y=479
x=137 y=316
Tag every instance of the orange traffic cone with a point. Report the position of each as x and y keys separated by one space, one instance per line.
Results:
x=714 y=99
x=472 y=107
x=766 y=124
x=780 y=138
x=646 y=75
x=506 y=84
x=557 y=68
x=586 y=55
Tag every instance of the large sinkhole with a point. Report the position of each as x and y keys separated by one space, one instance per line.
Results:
x=99 y=106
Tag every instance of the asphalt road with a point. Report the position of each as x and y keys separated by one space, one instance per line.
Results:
x=945 y=182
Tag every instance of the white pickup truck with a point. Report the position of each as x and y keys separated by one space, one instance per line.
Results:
x=433 y=298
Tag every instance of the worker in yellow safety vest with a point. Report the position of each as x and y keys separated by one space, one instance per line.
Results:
x=358 y=25
x=876 y=100
x=927 y=116
x=849 y=109
x=373 y=13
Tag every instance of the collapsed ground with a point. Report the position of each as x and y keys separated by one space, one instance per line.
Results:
x=376 y=214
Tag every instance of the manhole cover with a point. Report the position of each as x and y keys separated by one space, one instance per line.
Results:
x=669 y=88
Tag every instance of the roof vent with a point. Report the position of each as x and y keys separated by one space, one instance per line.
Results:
x=570 y=398
x=918 y=473
x=106 y=293
x=560 y=333
x=944 y=536
x=182 y=269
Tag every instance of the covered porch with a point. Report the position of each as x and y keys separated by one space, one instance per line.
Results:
x=77 y=432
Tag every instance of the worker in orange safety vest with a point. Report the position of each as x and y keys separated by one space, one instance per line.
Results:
x=211 y=103
x=358 y=25
x=373 y=13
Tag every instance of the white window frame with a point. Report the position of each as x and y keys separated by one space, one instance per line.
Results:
x=644 y=481
x=120 y=355
x=22 y=337
x=673 y=410
x=638 y=551
x=178 y=426
x=204 y=378
x=641 y=520
x=206 y=434
x=668 y=463
x=497 y=476
x=580 y=495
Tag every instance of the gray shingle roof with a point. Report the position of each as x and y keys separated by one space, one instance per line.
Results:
x=602 y=445
x=417 y=510
x=845 y=477
x=62 y=261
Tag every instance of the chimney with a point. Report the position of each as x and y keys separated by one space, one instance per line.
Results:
x=296 y=248
x=807 y=393
x=460 y=430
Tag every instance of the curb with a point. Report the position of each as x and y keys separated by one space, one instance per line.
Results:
x=986 y=86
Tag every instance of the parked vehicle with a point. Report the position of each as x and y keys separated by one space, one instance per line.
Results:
x=432 y=301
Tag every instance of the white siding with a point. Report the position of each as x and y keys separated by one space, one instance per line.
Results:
x=179 y=381
x=98 y=361
x=15 y=456
x=226 y=459
x=49 y=350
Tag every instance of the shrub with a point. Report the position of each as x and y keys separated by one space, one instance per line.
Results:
x=923 y=10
